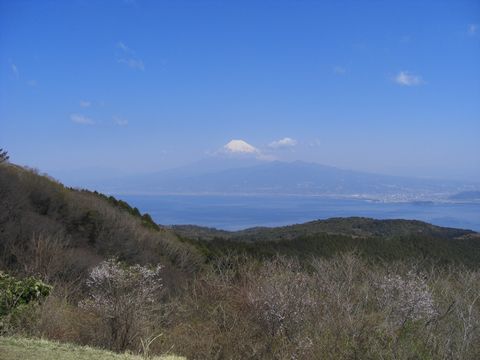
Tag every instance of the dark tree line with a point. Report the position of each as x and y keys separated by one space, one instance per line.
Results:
x=3 y=156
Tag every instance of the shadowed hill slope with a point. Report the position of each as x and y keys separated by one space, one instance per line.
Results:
x=57 y=232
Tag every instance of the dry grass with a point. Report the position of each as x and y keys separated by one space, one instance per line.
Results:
x=16 y=348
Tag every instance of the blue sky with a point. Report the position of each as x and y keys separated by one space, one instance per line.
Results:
x=384 y=86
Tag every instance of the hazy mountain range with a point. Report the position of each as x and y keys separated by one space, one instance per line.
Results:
x=251 y=176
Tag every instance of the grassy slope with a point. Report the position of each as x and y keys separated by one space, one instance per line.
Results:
x=12 y=348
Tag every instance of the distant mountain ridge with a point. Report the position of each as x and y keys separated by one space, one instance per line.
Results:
x=276 y=177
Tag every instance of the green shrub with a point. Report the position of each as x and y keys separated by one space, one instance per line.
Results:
x=15 y=293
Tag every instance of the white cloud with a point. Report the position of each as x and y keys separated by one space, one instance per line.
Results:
x=15 y=70
x=472 y=29
x=283 y=143
x=240 y=147
x=122 y=46
x=133 y=63
x=85 y=103
x=129 y=57
x=120 y=121
x=405 y=78
x=81 y=119
x=339 y=70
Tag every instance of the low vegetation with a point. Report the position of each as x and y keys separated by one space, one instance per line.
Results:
x=17 y=295
x=110 y=278
x=14 y=348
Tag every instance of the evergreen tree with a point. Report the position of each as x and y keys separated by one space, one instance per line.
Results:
x=3 y=156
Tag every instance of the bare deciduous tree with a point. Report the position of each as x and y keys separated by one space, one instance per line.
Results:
x=406 y=298
x=282 y=301
x=124 y=297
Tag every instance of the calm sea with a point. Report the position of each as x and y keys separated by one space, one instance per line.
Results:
x=240 y=212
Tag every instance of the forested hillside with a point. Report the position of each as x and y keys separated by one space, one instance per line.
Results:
x=63 y=232
x=81 y=267
x=376 y=240
x=353 y=226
